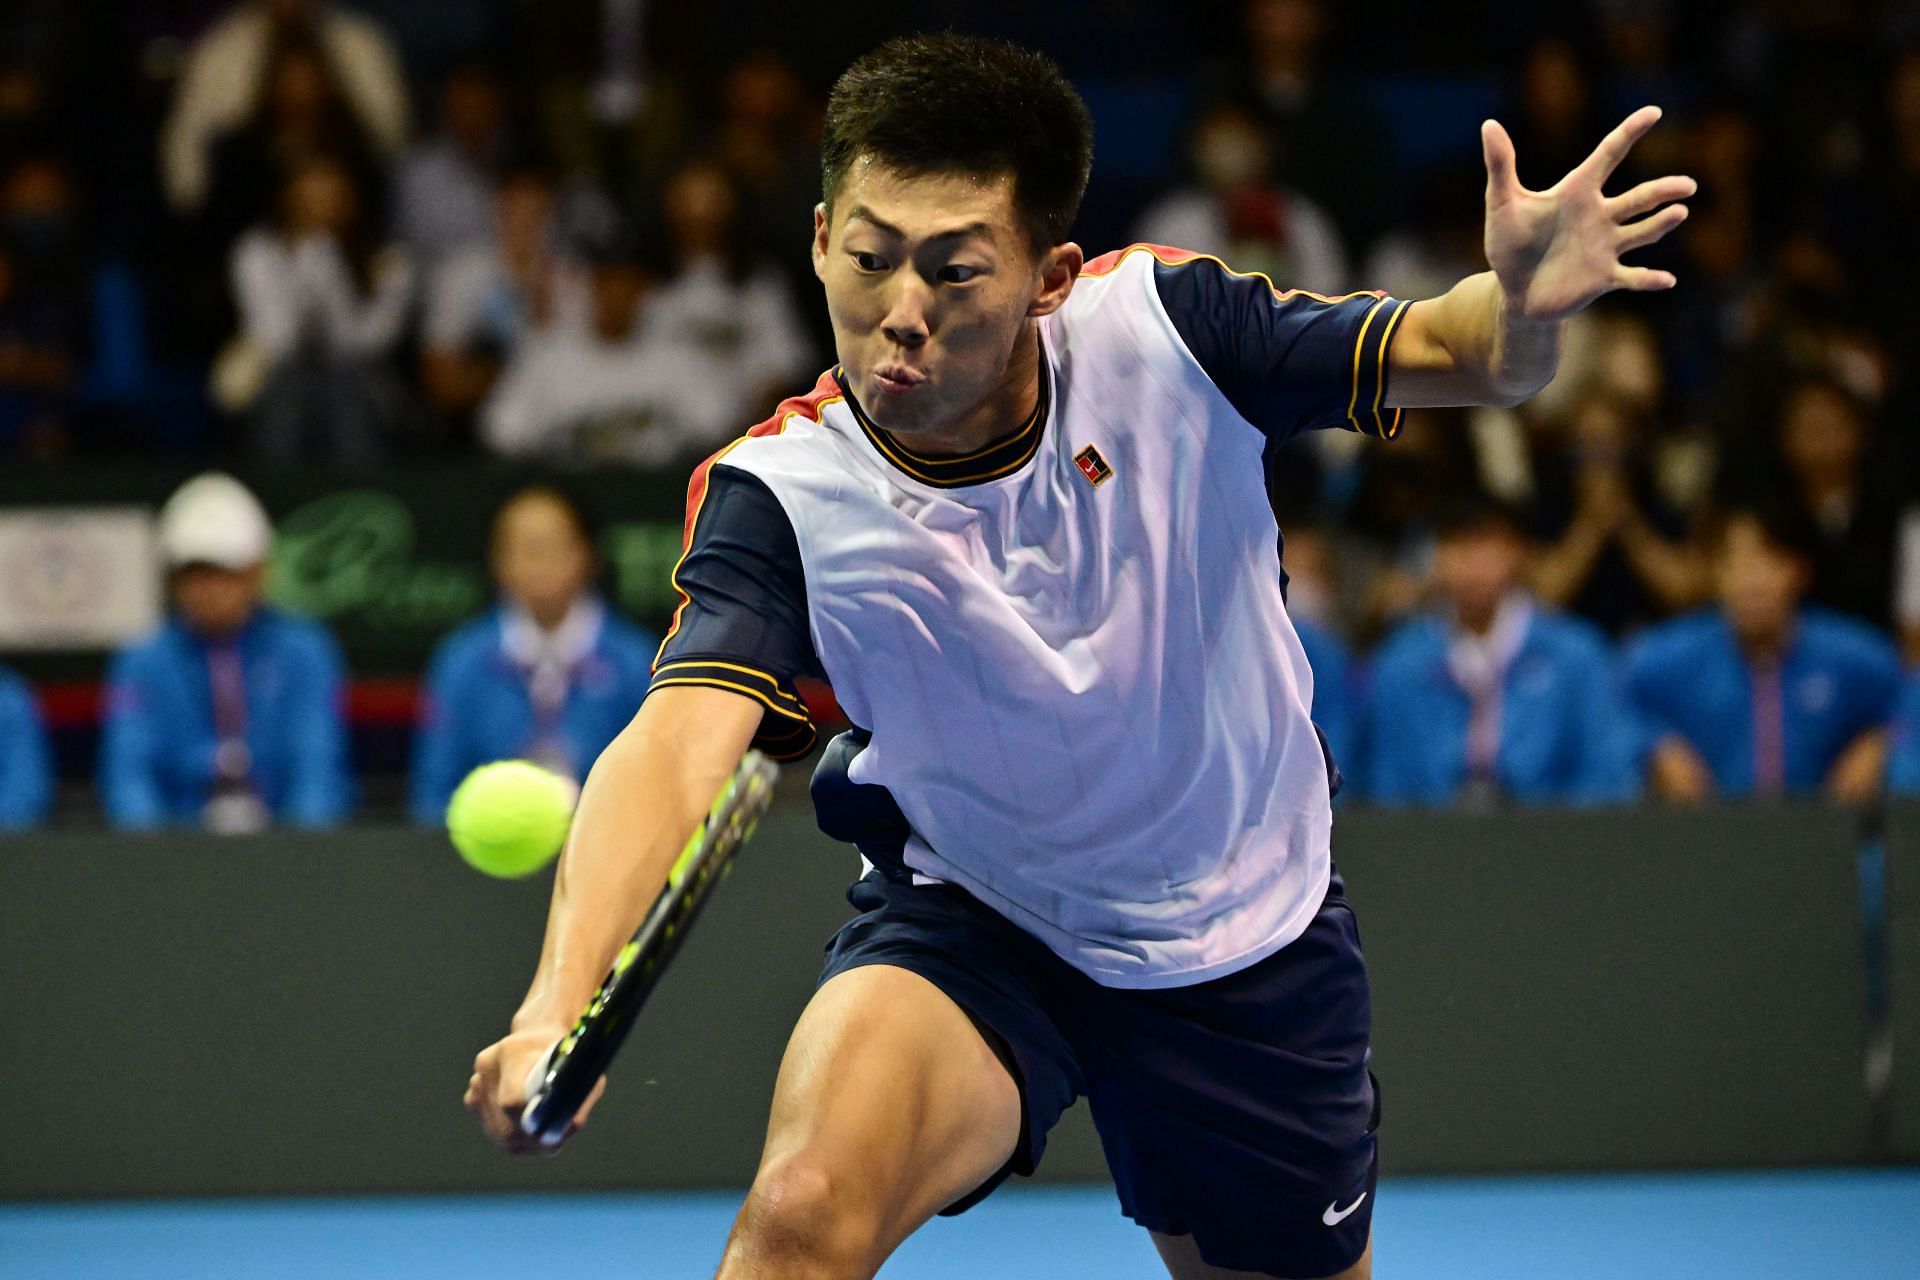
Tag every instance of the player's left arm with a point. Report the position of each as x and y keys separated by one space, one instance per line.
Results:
x=1494 y=338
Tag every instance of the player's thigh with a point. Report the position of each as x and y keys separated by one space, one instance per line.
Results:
x=889 y=1091
x=1185 y=1263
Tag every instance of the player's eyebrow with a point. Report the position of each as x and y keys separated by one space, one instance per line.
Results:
x=976 y=228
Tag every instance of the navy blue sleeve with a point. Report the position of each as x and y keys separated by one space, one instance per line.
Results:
x=742 y=621
x=1288 y=361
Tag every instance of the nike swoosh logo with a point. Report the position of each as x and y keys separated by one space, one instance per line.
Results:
x=1335 y=1215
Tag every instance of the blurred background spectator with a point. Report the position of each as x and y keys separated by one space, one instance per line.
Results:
x=1825 y=436
x=26 y=766
x=1311 y=598
x=246 y=67
x=1495 y=697
x=43 y=307
x=444 y=190
x=1328 y=139
x=229 y=717
x=1903 y=764
x=1763 y=695
x=724 y=297
x=322 y=306
x=621 y=389
x=550 y=674
x=1236 y=209
x=486 y=299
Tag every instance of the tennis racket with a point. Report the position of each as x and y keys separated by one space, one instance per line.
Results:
x=563 y=1077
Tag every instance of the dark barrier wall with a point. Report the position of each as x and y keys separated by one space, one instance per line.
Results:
x=1903 y=952
x=1633 y=988
x=298 y=1013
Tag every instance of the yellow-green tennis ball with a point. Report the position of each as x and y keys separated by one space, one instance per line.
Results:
x=510 y=818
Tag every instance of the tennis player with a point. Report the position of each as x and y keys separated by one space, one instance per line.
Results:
x=1023 y=530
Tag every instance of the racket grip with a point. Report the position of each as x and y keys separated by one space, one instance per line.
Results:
x=536 y=1091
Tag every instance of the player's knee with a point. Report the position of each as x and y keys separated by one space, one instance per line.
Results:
x=805 y=1219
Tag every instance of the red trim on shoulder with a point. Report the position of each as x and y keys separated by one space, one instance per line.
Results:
x=807 y=406
x=1106 y=262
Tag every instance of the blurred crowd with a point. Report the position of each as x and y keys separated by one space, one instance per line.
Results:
x=281 y=233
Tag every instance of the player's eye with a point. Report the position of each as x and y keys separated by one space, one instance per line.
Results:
x=957 y=274
x=868 y=261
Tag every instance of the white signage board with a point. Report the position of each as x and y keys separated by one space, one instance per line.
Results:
x=77 y=577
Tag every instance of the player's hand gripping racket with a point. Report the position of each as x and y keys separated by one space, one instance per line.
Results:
x=563 y=1077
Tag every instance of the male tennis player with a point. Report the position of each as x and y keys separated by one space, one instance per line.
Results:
x=1023 y=529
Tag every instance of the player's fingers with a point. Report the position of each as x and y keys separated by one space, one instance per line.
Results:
x=1496 y=148
x=1642 y=279
x=1637 y=235
x=1650 y=195
x=1614 y=147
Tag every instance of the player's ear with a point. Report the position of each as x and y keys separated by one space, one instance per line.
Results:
x=820 y=241
x=1059 y=268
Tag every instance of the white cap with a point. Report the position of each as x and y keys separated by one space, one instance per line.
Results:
x=214 y=519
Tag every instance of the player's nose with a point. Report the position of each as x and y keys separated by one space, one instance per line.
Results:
x=906 y=320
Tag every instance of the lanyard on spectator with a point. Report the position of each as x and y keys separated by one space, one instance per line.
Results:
x=1769 y=730
x=549 y=661
x=234 y=807
x=232 y=759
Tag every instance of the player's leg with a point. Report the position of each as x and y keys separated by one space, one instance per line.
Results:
x=1238 y=1114
x=1185 y=1263
x=890 y=1106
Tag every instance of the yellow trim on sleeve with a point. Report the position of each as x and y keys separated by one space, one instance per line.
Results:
x=1380 y=378
x=778 y=692
x=755 y=694
x=1359 y=347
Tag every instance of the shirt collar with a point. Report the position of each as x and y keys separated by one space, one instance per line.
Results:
x=1004 y=456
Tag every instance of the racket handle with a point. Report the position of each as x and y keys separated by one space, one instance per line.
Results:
x=536 y=1091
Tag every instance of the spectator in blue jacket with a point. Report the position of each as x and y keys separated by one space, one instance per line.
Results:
x=1494 y=696
x=1310 y=593
x=551 y=674
x=1903 y=767
x=229 y=716
x=1763 y=695
x=26 y=769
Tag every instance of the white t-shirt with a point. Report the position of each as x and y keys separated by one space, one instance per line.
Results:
x=1077 y=691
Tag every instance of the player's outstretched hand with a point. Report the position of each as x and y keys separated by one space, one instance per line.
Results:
x=1557 y=250
x=498 y=1090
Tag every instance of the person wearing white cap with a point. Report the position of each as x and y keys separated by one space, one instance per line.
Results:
x=229 y=715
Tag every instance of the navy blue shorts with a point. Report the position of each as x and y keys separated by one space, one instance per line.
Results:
x=1238 y=1111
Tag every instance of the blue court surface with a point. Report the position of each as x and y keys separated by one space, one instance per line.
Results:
x=1755 y=1226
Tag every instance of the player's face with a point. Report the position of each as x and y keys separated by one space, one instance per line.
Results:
x=930 y=281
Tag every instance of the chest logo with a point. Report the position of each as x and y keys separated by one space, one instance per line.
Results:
x=1093 y=466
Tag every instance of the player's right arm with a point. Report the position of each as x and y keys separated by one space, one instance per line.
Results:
x=645 y=795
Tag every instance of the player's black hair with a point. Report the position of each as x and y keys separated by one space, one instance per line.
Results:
x=949 y=103
x=553 y=491
x=1466 y=514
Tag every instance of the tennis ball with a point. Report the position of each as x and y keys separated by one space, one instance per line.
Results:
x=509 y=818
